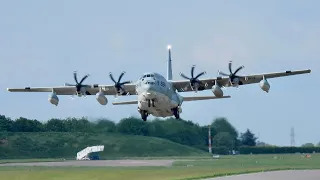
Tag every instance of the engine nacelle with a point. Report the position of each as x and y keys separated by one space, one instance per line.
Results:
x=217 y=91
x=53 y=99
x=235 y=82
x=101 y=98
x=195 y=86
x=264 y=85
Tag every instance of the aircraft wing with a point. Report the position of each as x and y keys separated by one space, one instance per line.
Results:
x=197 y=98
x=70 y=90
x=184 y=85
x=191 y=98
x=125 y=102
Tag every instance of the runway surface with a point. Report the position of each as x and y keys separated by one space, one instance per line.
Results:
x=100 y=163
x=275 y=175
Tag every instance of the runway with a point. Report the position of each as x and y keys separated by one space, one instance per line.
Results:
x=275 y=175
x=99 y=163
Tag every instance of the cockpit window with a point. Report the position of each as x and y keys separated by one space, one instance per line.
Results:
x=147 y=75
x=150 y=82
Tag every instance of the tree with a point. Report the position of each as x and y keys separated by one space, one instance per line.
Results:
x=220 y=125
x=6 y=124
x=105 y=125
x=248 y=138
x=78 y=125
x=260 y=143
x=308 y=145
x=224 y=139
x=27 y=125
x=55 y=125
x=133 y=126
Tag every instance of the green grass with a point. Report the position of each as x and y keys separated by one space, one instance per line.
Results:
x=2 y=161
x=66 y=145
x=193 y=168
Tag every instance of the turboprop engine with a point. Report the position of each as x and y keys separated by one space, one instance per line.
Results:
x=101 y=98
x=53 y=99
x=217 y=91
x=264 y=85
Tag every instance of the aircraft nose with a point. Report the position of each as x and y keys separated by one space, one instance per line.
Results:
x=149 y=86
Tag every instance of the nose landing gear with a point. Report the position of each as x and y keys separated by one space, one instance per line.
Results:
x=176 y=112
x=144 y=114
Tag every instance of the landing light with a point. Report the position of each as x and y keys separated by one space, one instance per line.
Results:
x=169 y=46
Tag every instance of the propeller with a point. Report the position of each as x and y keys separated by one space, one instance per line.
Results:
x=194 y=81
x=232 y=75
x=119 y=85
x=78 y=84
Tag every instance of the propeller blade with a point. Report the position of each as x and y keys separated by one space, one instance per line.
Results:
x=75 y=76
x=120 y=77
x=192 y=70
x=126 y=82
x=223 y=74
x=67 y=84
x=110 y=74
x=184 y=76
x=230 y=64
x=239 y=68
x=85 y=77
x=200 y=74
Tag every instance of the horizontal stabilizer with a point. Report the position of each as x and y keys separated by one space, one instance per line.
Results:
x=125 y=102
x=197 y=98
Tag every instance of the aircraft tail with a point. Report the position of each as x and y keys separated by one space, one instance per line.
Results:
x=169 y=68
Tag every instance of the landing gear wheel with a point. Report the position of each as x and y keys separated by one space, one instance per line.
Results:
x=144 y=115
x=176 y=113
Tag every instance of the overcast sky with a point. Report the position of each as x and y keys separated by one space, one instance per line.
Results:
x=43 y=42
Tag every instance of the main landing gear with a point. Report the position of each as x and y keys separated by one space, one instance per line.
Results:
x=176 y=112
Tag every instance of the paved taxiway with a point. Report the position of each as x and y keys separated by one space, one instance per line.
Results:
x=275 y=175
x=101 y=163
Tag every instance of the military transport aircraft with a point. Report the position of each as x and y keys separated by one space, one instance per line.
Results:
x=157 y=95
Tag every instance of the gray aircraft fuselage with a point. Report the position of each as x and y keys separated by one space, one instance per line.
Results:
x=156 y=95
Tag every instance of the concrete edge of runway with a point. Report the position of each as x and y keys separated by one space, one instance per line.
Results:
x=96 y=163
x=293 y=174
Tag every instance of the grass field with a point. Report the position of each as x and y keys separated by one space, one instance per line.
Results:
x=66 y=145
x=183 y=168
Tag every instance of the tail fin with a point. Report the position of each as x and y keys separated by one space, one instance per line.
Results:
x=169 y=68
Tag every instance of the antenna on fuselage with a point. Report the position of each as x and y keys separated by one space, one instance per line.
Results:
x=169 y=68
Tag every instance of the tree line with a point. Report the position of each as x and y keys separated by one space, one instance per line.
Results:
x=225 y=137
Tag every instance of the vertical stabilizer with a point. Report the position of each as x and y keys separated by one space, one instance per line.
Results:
x=169 y=68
